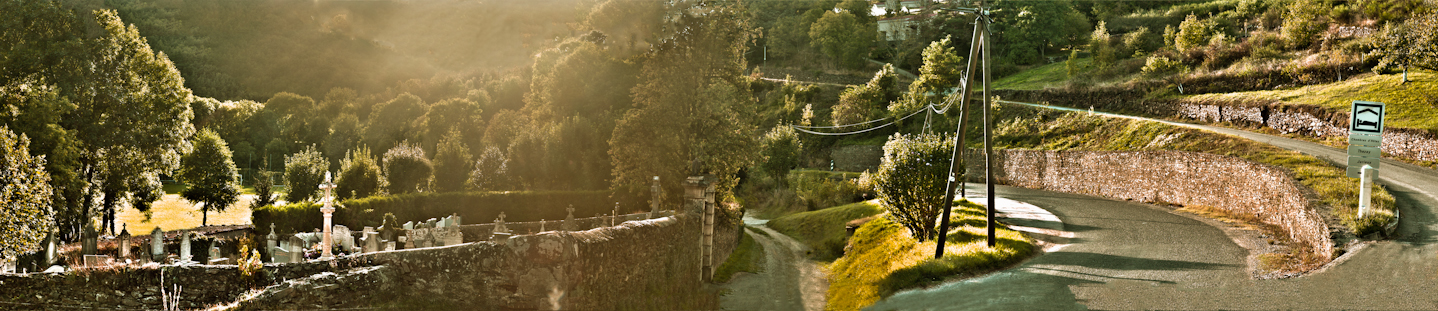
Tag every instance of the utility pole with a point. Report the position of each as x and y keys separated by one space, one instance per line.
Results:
x=980 y=41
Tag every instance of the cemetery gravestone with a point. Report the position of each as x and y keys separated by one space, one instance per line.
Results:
x=125 y=241
x=157 y=245
x=185 y=247
x=297 y=248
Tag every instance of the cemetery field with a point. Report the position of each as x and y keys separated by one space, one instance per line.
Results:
x=172 y=212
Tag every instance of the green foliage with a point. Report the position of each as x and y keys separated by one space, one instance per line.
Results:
x=843 y=37
x=865 y=102
x=1071 y=65
x=1140 y=42
x=1193 y=33
x=823 y=230
x=748 y=256
x=911 y=180
x=1410 y=44
x=1101 y=45
x=1303 y=21
x=692 y=106
x=1026 y=29
x=781 y=149
x=1160 y=66
x=394 y=121
x=264 y=190
x=451 y=163
x=406 y=169
x=26 y=196
x=359 y=175
x=940 y=75
x=211 y=174
x=304 y=171
x=491 y=172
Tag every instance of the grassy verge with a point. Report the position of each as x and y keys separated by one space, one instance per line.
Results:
x=884 y=258
x=1037 y=78
x=1411 y=105
x=823 y=230
x=747 y=257
x=1033 y=128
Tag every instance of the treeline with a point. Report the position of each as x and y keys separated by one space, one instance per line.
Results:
x=645 y=89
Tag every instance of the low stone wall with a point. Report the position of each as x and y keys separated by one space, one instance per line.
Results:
x=1308 y=120
x=122 y=288
x=1185 y=178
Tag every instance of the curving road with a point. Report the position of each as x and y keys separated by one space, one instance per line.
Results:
x=1137 y=256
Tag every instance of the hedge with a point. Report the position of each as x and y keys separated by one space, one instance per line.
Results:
x=472 y=207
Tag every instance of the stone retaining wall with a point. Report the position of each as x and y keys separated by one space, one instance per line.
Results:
x=1185 y=178
x=1308 y=120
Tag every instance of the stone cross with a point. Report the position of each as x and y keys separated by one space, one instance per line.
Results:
x=157 y=244
x=270 y=241
x=499 y=224
x=329 y=211
x=568 y=219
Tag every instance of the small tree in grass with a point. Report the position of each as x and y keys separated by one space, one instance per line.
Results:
x=491 y=171
x=211 y=173
x=406 y=168
x=911 y=180
x=304 y=171
x=25 y=197
x=451 y=163
x=264 y=189
x=781 y=147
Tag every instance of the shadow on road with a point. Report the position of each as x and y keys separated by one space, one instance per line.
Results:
x=1114 y=262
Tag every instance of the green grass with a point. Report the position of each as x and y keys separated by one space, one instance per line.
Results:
x=748 y=256
x=1037 y=78
x=177 y=187
x=885 y=259
x=823 y=230
x=1410 y=105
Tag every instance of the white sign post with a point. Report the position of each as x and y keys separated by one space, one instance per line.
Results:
x=1365 y=139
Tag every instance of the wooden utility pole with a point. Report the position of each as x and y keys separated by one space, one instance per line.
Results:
x=980 y=43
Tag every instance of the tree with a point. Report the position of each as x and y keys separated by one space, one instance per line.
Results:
x=692 y=106
x=406 y=168
x=451 y=163
x=25 y=196
x=1036 y=26
x=1303 y=21
x=911 y=180
x=843 y=37
x=1101 y=45
x=359 y=175
x=781 y=150
x=264 y=189
x=211 y=174
x=1413 y=43
x=395 y=121
x=491 y=172
x=304 y=171
x=1071 y=65
x=1193 y=33
x=940 y=74
x=861 y=103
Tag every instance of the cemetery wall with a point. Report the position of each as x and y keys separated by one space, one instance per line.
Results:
x=1232 y=184
x=122 y=288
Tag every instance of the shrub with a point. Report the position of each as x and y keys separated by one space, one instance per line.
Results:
x=264 y=189
x=406 y=169
x=1301 y=23
x=491 y=172
x=304 y=171
x=359 y=175
x=1159 y=66
x=781 y=149
x=451 y=163
x=1193 y=33
x=911 y=180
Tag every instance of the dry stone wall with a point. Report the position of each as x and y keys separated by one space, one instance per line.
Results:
x=1185 y=178
x=1308 y=120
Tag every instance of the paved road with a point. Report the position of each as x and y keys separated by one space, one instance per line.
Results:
x=1135 y=256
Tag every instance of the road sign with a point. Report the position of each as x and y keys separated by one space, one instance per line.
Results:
x=1364 y=151
x=1366 y=117
x=1365 y=137
x=1360 y=139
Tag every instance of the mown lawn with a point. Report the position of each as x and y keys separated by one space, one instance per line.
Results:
x=1411 y=105
x=748 y=256
x=885 y=259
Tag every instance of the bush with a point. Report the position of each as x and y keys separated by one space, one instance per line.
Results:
x=264 y=190
x=359 y=175
x=491 y=172
x=781 y=150
x=406 y=169
x=911 y=180
x=304 y=171
x=1159 y=66
x=824 y=189
x=451 y=163
x=1193 y=33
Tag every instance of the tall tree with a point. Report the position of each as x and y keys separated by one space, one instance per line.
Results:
x=359 y=175
x=451 y=163
x=304 y=171
x=843 y=37
x=26 y=216
x=210 y=172
x=692 y=107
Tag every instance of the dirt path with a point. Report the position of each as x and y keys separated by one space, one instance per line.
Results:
x=789 y=280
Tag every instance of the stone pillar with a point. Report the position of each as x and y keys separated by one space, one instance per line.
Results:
x=654 y=198
x=51 y=251
x=87 y=241
x=157 y=245
x=124 y=241
x=1365 y=190
x=328 y=242
x=698 y=193
x=185 y=247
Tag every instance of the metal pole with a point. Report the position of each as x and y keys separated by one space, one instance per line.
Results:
x=957 y=159
x=988 y=133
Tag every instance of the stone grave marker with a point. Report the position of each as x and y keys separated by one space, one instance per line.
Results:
x=95 y=261
x=344 y=238
x=87 y=241
x=215 y=257
x=157 y=244
x=568 y=219
x=499 y=224
x=185 y=247
x=125 y=241
x=270 y=241
x=280 y=254
x=297 y=249
x=389 y=246
x=408 y=225
x=371 y=241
